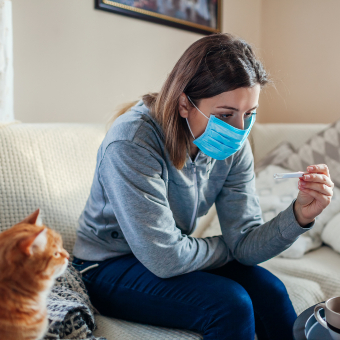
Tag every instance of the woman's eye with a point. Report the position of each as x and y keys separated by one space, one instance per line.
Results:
x=249 y=114
x=223 y=116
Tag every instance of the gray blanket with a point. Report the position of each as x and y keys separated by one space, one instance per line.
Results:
x=70 y=312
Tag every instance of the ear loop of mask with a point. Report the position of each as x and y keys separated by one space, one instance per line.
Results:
x=197 y=108
x=199 y=111
x=190 y=129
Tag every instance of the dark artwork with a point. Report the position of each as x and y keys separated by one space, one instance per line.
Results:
x=202 y=16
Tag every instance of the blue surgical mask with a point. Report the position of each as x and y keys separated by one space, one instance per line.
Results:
x=221 y=140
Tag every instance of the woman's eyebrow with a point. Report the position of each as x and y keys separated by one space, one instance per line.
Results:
x=232 y=108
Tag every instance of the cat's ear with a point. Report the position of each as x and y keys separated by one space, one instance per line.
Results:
x=36 y=241
x=34 y=218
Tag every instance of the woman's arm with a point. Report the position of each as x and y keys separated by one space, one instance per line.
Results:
x=249 y=239
x=131 y=177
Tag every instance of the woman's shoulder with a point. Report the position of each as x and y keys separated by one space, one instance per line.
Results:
x=136 y=126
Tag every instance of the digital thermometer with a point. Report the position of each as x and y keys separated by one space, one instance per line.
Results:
x=289 y=175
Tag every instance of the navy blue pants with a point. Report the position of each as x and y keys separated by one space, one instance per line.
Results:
x=231 y=302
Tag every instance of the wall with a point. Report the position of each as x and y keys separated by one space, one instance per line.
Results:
x=243 y=18
x=301 y=48
x=73 y=63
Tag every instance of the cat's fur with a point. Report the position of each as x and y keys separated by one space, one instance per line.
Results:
x=31 y=257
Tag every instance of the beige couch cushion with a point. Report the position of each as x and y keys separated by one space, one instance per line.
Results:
x=313 y=278
x=114 y=329
x=47 y=166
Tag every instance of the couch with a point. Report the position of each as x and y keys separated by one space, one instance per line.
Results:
x=51 y=166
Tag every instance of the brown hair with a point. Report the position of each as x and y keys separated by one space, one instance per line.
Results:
x=212 y=65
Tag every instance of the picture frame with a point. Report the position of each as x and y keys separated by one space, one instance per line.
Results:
x=200 y=16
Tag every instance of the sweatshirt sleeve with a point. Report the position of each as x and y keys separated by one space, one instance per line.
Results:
x=249 y=239
x=132 y=178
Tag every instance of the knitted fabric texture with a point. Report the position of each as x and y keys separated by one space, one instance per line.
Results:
x=70 y=312
x=47 y=166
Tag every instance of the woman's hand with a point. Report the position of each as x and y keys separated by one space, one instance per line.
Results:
x=316 y=191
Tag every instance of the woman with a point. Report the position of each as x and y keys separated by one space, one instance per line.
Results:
x=161 y=165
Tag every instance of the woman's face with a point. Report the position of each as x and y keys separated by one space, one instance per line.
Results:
x=234 y=106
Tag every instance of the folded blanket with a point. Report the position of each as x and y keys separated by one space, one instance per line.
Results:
x=70 y=312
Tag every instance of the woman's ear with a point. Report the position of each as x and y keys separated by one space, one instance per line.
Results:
x=183 y=105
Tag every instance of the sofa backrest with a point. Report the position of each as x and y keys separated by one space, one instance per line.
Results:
x=265 y=137
x=51 y=166
x=48 y=166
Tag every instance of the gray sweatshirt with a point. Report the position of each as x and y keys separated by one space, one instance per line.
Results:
x=140 y=203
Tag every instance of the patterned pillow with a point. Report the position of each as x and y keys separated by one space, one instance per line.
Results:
x=275 y=157
x=324 y=147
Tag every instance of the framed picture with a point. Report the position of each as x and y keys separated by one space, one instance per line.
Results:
x=201 y=16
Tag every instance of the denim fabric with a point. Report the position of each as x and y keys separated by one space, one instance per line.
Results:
x=230 y=302
x=141 y=203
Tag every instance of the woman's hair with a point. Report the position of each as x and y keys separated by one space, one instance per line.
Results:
x=212 y=65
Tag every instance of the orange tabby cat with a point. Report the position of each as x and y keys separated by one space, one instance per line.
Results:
x=31 y=257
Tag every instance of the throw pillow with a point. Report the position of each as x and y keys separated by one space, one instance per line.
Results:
x=331 y=233
x=324 y=147
x=277 y=156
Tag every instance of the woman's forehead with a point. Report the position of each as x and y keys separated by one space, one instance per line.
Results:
x=243 y=98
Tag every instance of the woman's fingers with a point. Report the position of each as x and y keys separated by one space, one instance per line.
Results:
x=316 y=190
x=319 y=168
x=318 y=178
x=323 y=200
x=317 y=181
x=319 y=187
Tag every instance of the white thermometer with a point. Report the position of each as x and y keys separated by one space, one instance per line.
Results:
x=289 y=175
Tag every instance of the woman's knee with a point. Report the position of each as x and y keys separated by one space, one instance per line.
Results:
x=231 y=313
x=274 y=288
x=260 y=282
x=232 y=301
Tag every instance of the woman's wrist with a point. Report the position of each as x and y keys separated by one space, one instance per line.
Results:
x=303 y=222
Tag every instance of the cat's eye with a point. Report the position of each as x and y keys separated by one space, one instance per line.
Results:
x=56 y=254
